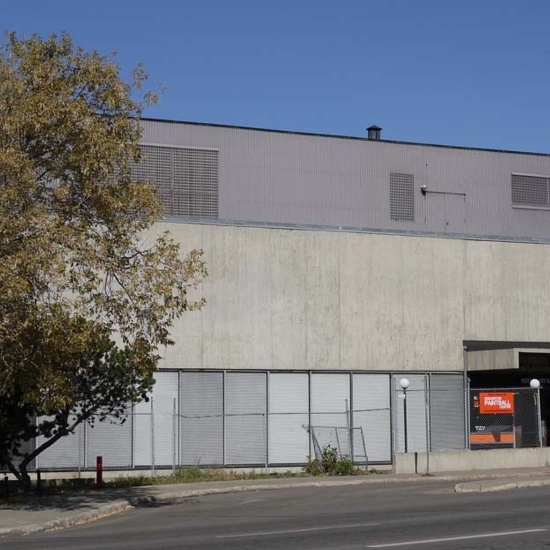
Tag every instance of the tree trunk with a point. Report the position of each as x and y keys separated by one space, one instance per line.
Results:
x=11 y=467
x=24 y=478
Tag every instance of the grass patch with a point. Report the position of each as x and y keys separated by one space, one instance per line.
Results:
x=197 y=475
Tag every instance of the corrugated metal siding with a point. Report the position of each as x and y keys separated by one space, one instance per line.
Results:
x=288 y=418
x=372 y=412
x=330 y=400
x=112 y=441
x=245 y=420
x=306 y=179
x=201 y=418
x=447 y=412
x=160 y=410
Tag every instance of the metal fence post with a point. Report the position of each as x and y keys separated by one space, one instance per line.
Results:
x=394 y=411
x=132 y=413
x=310 y=435
x=539 y=415
x=174 y=437
x=224 y=427
x=80 y=450
x=348 y=426
x=514 y=425
x=535 y=385
x=266 y=420
x=152 y=439
x=85 y=439
x=351 y=420
x=427 y=420
x=467 y=415
x=466 y=386
x=265 y=439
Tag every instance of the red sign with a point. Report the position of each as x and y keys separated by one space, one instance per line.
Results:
x=496 y=403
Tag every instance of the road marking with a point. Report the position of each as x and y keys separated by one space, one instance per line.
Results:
x=450 y=539
x=267 y=533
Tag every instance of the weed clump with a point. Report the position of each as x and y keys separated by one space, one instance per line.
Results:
x=331 y=463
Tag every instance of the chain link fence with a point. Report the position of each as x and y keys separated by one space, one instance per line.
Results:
x=285 y=419
x=149 y=441
x=430 y=417
x=429 y=413
x=505 y=418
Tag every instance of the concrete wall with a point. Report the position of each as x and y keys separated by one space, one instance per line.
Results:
x=490 y=459
x=507 y=291
x=493 y=359
x=319 y=300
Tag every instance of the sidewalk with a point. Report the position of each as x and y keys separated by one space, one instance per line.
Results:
x=50 y=512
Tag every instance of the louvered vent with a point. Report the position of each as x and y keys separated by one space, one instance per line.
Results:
x=186 y=179
x=530 y=190
x=402 y=197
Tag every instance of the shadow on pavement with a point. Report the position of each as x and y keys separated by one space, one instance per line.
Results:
x=71 y=500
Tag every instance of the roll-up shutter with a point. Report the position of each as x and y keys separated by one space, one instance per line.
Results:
x=416 y=414
x=330 y=403
x=164 y=434
x=143 y=436
x=67 y=452
x=201 y=418
x=288 y=418
x=111 y=440
x=371 y=411
x=245 y=420
x=447 y=412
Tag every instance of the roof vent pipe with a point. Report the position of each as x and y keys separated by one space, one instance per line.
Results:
x=374 y=132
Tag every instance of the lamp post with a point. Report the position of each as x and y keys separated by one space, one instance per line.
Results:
x=535 y=384
x=404 y=383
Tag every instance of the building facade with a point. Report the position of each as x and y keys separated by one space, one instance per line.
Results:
x=338 y=266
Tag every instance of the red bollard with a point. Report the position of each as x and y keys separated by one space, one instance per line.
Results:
x=99 y=472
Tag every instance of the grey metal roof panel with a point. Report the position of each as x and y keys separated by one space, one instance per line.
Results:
x=305 y=179
x=339 y=136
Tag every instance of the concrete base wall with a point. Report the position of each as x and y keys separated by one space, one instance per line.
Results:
x=336 y=301
x=410 y=463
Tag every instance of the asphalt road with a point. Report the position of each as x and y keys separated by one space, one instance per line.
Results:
x=412 y=515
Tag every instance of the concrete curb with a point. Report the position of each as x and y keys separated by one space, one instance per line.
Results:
x=335 y=482
x=70 y=521
x=187 y=493
x=489 y=487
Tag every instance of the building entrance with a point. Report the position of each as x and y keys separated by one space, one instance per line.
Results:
x=520 y=379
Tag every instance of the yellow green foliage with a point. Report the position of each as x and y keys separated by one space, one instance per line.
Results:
x=79 y=272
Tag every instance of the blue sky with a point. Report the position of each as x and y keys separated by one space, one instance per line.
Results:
x=472 y=73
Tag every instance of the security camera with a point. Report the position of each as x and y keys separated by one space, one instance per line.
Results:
x=424 y=189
